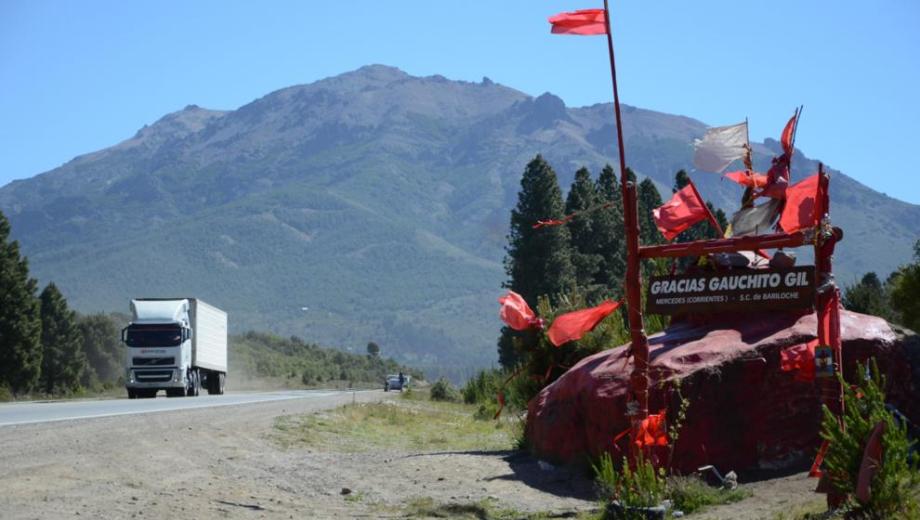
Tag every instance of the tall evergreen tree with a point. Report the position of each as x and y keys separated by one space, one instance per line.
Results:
x=905 y=286
x=20 y=322
x=538 y=261
x=100 y=341
x=609 y=232
x=585 y=259
x=649 y=199
x=63 y=360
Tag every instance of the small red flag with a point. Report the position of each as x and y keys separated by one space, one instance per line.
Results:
x=786 y=137
x=573 y=325
x=584 y=22
x=516 y=313
x=800 y=358
x=801 y=208
x=747 y=178
x=653 y=431
x=683 y=210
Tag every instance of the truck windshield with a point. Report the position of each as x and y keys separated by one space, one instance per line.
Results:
x=153 y=336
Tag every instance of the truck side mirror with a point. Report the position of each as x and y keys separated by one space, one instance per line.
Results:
x=124 y=335
x=188 y=333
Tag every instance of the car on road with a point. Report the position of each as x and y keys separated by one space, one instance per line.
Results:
x=394 y=382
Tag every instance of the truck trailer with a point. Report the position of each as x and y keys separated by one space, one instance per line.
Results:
x=175 y=344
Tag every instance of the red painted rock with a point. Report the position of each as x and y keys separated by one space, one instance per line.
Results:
x=745 y=412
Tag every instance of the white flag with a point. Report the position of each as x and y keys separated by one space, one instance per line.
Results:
x=720 y=147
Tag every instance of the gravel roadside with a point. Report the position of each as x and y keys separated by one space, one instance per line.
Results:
x=221 y=463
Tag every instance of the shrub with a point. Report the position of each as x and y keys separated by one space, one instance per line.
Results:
x=690 y=494
x=442 y=390
x=642 y=486
x=5 y=394
x=893 y=486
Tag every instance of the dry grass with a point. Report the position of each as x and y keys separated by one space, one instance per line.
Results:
x=409 y=424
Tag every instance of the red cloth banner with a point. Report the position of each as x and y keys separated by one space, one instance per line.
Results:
x=800 y=358
x=516 y=313
x=652 y=431
x=801 y=211
x=747 y=178
x=573 y=325
x=683 y=210
x=584 y=22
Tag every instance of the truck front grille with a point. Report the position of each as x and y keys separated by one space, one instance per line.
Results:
x=153 y=361
x=153 y=376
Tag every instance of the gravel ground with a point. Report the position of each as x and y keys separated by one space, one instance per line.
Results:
x=221 y=463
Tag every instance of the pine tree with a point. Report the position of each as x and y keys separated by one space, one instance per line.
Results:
x=20 y=322
x=538 y=261
x=905 y=286
x=649 y=199
x=63 y=360
x=585 y=259
x=609 y=231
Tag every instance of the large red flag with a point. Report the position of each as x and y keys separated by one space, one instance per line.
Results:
x=573 y=325
x=801 y=211
x=683 y=210
x=584 y=22
x=516 y=313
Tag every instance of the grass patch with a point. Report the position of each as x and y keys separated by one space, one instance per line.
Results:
x=410 y=424
x=486 y=509
x=690 y=494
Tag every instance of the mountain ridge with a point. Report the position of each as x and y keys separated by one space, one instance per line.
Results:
x=377 y=199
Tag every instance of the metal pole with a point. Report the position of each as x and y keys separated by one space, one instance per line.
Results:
x=637 y=408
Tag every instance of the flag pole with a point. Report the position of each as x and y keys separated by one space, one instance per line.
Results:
x=637 y=404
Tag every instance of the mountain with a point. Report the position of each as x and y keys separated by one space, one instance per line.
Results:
x=372 y=205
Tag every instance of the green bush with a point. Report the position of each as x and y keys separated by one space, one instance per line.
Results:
x=690 y=494
x=442 y=390
x=894 y=486
x=5 y=394
x=642 y=486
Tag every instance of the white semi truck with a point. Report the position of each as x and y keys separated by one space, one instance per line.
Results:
x=175 y=344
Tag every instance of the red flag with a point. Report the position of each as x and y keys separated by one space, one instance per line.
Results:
x=573 y=325
x=653 y=431
x=871 y=463
x=747 y=178
x=800 y=358
x=584 y=22
x=516 y=313
x=683 y=210
x=801 y=209
x=786 y=137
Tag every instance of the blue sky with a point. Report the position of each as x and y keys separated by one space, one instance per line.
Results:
x=79 y=76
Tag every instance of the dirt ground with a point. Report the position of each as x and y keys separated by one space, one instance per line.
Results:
x=222 y=463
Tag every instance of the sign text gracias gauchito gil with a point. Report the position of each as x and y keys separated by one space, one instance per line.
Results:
x=732 y=290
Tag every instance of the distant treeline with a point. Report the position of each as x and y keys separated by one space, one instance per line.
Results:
x=261 y=355
x=47 y=348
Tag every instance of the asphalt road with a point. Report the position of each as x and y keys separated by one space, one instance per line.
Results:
x=50 y=411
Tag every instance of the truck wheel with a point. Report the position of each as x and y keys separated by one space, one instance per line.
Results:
x=213 y=383
x=221 y=382
x=175 y=392
x=194 y=384
x=131 y=394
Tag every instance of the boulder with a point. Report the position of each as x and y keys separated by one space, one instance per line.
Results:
x=745 y=412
